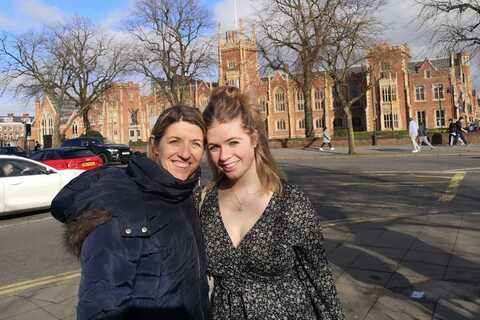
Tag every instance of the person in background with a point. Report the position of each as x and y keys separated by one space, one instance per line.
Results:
x=326 y=140
x=37 y=146
x=452 y=132
x=422 y=136
x=413 y=133
x=137 y=231
x=263 y=238
x=460 y=127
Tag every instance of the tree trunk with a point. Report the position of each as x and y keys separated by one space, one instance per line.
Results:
x=351 y=135
x=307 y=98
x=57 y=137
x=86 y=121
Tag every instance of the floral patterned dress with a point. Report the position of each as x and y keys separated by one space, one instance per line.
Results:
x=278 y=271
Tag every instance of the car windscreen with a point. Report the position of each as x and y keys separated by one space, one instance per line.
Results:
x=71 y=154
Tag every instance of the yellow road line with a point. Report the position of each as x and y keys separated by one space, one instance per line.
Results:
x=453 y=186
x=29 y=284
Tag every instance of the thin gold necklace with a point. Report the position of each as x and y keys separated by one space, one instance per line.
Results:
x=240 y=205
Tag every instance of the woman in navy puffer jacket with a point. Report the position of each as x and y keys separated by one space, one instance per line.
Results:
x=137 y=230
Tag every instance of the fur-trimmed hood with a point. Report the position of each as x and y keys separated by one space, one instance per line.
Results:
x=77 y=229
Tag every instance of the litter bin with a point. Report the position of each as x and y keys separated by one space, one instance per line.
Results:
x=374 y=139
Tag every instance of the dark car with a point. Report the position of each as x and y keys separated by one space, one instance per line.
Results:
x=13 y=151
x=68 y=158
x=108 y=152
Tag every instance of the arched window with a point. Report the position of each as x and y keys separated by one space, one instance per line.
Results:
x=279 y=100
x=203 y=101
x=319 y=99
x=262 y=102
x=300 y=100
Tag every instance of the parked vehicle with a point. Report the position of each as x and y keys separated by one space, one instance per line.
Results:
x=68 y=158
x=15 y=151
x=108 y=152
x=27 y=185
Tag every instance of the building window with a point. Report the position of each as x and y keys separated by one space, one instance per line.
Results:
x=138 y=133
x=74 y=129
x=203 y=102
x=421 y=117
x=338 y=123
x=263 y=104
x=132 y=133
x=233 y=83
x=440 y=118
x=280 y=100
x=231 y=65
x=319 y=100
x=281 y=125
x=428 y=74
x=301 y=124
x=300 y=101
x=438 y=91
x=420 y=93
x=390 y=120
x=318 y=123
x=389 y=94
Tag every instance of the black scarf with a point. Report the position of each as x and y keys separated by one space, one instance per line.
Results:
x=152 y=178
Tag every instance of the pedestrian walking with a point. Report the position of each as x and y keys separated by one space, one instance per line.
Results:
x=263 y=238
x=326 y=140
x=37 y=146
x=460 y=127
x=413 y=133
x=137 y=230
x=422 y=136
x=452 y=132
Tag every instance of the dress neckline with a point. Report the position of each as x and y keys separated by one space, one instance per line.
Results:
x=218 y=214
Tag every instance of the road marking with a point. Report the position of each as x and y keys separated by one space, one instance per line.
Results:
x=453 y=186
x=464 y=169
x=365 y=204
x=29 y=284
x=25 y=222
x=391 y=183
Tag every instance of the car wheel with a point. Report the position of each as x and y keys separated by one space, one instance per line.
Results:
x=104 y=158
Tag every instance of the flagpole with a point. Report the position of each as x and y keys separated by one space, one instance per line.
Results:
x=236 y=13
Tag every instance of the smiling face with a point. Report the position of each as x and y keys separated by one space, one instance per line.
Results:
x=231 y=149
x=180 y=149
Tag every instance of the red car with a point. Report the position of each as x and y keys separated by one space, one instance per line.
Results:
x=68 y=158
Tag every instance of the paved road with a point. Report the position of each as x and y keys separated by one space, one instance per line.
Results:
x=392 y=224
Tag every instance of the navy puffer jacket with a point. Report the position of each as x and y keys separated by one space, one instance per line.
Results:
x=141 y=249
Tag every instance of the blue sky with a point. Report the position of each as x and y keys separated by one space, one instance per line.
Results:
x=24 y=15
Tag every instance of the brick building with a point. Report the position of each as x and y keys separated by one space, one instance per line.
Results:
x=431 y=90
x=12 y=129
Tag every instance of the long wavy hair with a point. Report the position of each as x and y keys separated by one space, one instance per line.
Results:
x=170 y=116
x=226 y=104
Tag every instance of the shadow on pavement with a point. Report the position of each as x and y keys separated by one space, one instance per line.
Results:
x=415 y=251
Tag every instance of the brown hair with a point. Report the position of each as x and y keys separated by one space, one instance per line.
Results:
x=168 y=117
x=226 y=104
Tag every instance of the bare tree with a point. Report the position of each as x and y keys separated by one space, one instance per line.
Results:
x=96 y=60
x=455 y=23
x=293 y=40
x=351 y=36
x=75 y=62
x=174 y=46
x=32 y=65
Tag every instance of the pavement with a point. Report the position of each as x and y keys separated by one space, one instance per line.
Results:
x=395 y=267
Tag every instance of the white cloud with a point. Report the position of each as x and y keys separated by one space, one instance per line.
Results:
x=30 y=14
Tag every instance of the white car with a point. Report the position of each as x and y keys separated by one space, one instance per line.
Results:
x=29 y=185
